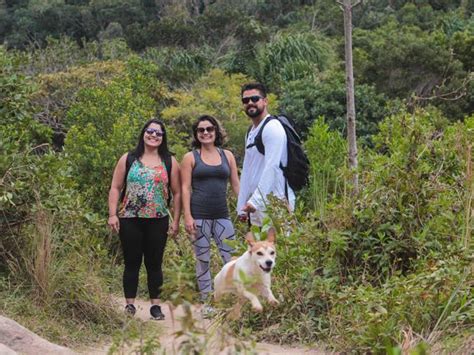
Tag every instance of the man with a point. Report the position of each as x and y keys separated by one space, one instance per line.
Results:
x=261 y=174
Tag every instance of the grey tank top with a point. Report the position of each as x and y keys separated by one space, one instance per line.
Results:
x=209 y=184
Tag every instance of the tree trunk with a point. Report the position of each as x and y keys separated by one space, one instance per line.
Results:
x=350 y=102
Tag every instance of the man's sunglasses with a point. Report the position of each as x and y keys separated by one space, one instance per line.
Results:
x=150 y=131
x=209 y=129
x=254 y=99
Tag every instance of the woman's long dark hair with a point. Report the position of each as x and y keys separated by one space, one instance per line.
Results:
x=220 y=132
x=162 y=149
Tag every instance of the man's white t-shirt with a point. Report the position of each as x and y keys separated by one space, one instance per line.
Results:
x=261 y=174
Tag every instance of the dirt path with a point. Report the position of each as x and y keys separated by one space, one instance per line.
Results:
x=174 y=322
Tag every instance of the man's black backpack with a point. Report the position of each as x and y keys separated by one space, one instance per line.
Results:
x=297 y=170
x=128 y=163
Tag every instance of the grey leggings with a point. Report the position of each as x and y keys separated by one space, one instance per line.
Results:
x=220 y=229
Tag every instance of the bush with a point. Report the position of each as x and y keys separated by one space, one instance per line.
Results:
x=327 y=155
x=51 y=250
x=218 y=95
x=178 y=67
x=391 y=270
x=291 y=56
x=307 y=99
x=412 y=204
x=105 y=123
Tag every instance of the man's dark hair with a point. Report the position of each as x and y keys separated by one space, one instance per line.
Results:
x=254 y=86
x=220 y=132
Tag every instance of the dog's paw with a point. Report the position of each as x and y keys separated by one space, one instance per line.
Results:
x=235 y=312
x=273 y=301
x=257 y=308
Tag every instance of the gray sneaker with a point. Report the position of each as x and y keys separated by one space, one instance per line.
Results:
x=208 y=311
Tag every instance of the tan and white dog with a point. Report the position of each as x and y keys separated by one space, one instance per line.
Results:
x=250 y=273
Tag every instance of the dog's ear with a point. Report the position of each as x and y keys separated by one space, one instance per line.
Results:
x=250 y=238
x=271 y=235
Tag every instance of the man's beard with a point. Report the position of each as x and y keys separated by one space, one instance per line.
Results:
x=253 y=114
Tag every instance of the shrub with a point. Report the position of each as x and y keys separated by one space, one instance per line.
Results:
x=308 y=98
x=218 y=95
x=327 y=154
x=51 y=250
x=390 y=271
x=291 y=56
x=105 y=123
x=178 y=67
x=412 y=204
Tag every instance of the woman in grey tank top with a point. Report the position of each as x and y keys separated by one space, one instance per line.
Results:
x=205 y=172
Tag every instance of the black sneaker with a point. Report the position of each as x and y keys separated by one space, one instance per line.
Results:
x=130 y=309
x=156 y=313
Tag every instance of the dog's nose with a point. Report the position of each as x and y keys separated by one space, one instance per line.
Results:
x=269 y=263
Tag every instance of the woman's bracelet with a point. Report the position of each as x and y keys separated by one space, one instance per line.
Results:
x=114 y=215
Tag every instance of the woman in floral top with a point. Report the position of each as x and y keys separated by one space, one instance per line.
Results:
x=142 y=217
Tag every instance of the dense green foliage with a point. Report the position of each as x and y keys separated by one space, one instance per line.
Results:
x=51 y=248
x=386 y=270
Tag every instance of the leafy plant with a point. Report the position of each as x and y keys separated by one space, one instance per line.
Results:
x=215 y=94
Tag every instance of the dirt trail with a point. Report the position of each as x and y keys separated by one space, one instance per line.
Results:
x=170 y=344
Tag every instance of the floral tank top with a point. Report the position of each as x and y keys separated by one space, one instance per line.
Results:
x=146 y=194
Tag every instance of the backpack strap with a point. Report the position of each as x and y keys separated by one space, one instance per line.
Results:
x=169 y=165
x=258 y=141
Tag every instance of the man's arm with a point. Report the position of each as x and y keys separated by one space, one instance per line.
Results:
x=274 y=140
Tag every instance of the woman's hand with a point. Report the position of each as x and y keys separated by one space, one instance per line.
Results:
x=174 y=228
x=114 y=223
x=190 y=226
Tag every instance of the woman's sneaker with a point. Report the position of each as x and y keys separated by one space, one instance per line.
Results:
x=130 y=309
x=208 y=311
x=156 y=313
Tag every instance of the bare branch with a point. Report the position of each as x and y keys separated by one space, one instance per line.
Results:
x=454 y=95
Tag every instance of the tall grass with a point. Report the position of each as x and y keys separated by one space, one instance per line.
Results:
x=326 y=151
x=56 y=270
x=469 y=197
x=38 y=259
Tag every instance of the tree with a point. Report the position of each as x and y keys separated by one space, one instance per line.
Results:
x=216 y=94
x=347 y=6
x=307 y=99
x=104 y=123
x=291 y=56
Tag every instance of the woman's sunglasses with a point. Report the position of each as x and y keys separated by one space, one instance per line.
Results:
x=151 y=131
x=254 y=99
x=209 y=129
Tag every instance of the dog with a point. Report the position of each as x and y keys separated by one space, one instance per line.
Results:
x=250 y=273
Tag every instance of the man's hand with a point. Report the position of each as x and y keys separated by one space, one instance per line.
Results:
x=249 y=208
x=243 y=217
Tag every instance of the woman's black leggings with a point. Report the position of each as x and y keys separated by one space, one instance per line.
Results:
x=143 y=237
